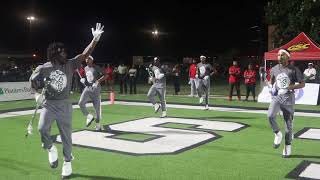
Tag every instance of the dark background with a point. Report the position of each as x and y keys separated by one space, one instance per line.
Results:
x=186 y=28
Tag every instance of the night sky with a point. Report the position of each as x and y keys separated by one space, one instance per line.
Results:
x=188 y=28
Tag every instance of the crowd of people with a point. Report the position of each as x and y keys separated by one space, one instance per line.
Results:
x=15 y=72
x=127 y=76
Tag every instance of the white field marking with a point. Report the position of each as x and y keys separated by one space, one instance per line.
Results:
x=312 y=171
x=311 y=134
x=27 y=112
x=214 y=108
x=170 y=140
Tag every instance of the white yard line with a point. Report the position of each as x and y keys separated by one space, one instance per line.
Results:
x=28 y=112
x=215 y=108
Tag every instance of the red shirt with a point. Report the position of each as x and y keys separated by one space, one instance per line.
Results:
x=251 y=79
x=81 y=72
x=234 y=72
x=193 y=71
x=109 y=71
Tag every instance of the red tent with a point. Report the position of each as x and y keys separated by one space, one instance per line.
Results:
x=301 y=48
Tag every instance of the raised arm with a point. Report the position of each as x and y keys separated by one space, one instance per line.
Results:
x=96 y=33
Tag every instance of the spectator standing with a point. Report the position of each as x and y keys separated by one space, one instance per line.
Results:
x=123 y=75
x=310 y=74
x=234 y=79
x=176 y=74
x=192 y=78
x=109 y=80
x=250 y=82
x=132 y=79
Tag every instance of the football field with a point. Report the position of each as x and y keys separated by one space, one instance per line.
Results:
x=189 y=144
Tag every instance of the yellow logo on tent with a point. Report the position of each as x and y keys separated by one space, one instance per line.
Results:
x=299 y=47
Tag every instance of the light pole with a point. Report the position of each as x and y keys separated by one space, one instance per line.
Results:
x=155 y=43
x=31 y=19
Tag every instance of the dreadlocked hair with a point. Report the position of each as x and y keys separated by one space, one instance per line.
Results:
x=54 y=50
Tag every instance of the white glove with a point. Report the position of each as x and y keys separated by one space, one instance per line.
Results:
x=39 y=98
x=97 y=32
x=95 y=85
x=158 y=74
x=197 y=76
x=206 y=78
x=273 y=90
x=83 y=80
x=189 y=82
x=151 y=80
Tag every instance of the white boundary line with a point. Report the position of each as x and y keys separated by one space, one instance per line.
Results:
x=215 y=108
x=28 y=112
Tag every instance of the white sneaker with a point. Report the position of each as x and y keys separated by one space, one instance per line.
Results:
x=201 y=100
x=206 y=107
x=98 y=127
x=190 y=95
x=90 y=119
x=66 y=170
x=156 y=108
x=53 y=156
x=277 y=140
x=164 y=114
x=286 y=151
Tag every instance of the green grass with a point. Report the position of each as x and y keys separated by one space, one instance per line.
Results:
x=247 y=154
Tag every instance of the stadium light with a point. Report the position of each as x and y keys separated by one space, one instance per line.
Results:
x=155 y=32
x=31 y=18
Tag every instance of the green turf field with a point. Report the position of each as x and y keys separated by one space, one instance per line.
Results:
x=245 y=154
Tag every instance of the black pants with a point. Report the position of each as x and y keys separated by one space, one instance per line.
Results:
x=237 y=85
x=132 y=82
x=176 y=85
x=81 y=87
x=123 y=83
x=252 y=88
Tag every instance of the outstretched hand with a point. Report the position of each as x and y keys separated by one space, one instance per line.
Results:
x=83 y=80
x=97 y=32
x=95 y=85
x=39 y=98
